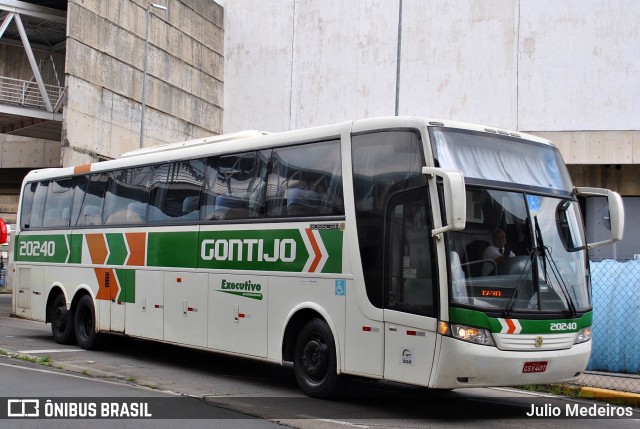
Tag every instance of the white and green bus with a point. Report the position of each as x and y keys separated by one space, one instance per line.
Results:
x=356 y=249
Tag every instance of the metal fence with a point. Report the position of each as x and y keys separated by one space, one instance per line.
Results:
x=615 y=355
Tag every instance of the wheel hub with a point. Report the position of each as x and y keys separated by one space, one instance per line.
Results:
x=60 y=318
x=314 y=359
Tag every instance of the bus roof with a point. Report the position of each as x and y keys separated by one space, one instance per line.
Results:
x=196 y=142
x=255 y=140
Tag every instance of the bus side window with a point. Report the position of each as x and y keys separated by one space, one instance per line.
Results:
x=159 y=179
x=38 y=205
x=88 y=199
x=235 y=187
x=79 y=186
x=57 y=212
x=175 y=192
x=27 y=203
x=306 y=180
x=185 y=193
x=208 y=200
x=127 y=193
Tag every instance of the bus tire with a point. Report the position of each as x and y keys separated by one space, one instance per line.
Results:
x=314 y=362
x=62 y=327
x=85 y=323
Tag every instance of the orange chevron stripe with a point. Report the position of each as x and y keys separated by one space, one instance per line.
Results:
x=97 y=248
x=137 y=242
x=107 y=293
x=99 y=252
x=316 y=249
x=512 y=326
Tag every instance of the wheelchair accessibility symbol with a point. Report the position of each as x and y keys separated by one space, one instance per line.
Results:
x=340 y=287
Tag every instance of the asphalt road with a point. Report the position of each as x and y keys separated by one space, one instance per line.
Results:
x=219 y=383
x=53 y=398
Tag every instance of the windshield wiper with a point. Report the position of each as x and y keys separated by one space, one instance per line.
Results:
x=542 y=250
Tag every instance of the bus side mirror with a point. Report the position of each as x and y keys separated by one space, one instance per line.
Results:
x=455 y=200
x=616 y=212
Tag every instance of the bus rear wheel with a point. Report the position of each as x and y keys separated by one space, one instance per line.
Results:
x=314 y=363
x=85 y=323
x=61 y=321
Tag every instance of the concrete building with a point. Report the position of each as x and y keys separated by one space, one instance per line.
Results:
x=72 y=80
x=565 y=70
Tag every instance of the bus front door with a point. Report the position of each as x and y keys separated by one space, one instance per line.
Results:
x=410 y=289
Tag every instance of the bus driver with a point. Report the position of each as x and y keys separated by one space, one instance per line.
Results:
x=497 y=252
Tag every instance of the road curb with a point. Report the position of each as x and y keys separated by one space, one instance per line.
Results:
x=606 y=394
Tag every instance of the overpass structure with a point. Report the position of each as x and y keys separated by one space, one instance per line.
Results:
x=32 y=48
x=32 y=107
x=74 y=76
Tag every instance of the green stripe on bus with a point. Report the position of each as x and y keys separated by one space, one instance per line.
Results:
x=289 y=250
x=271 y=250
x=117 y=249
x=127 y=280
x=253 y=295
x=332 y=240
x=75 y=248
x=172 y=249
x=479 y=319
x=41 y=248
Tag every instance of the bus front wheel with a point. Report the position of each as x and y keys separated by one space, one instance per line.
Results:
x=315 y=361
x=61 y=321
x=85 y=323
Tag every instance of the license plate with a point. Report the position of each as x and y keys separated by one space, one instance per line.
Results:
x=530 y=367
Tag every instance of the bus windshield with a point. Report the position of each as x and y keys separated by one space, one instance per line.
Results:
x=519 y=253
x=484 y=158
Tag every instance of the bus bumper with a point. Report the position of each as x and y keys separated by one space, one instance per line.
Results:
x=462 y=364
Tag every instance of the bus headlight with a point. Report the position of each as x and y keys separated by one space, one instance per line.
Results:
x=467 y=333
x=583 y=336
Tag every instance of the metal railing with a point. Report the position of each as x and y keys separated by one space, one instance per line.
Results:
x=27 y=94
